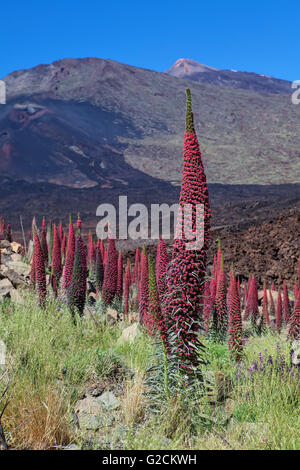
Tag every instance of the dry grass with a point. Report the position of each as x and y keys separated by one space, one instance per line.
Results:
x=133 y=402
x=36 y=421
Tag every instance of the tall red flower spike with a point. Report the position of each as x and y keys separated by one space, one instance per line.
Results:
x=235 y=331
x=44 y=243
x=63 y=246
x=90 y=251
x=119 y=290
x=294 y=331
x=187 y=270
x=56 y=256
x=32 y=270
x=279 y=312
x=220 y=320
x=40 y=274
x=126 y=289
x=136 y=266
x=162 y=261
x=130 y=278
x=154 y=311
x=252 y=302
x=266 y=318
x=102 y=249
x=207 y=305
x=77 y=286
x=272 y=304
x=61 y=232
x=144 y=287
x=296 y=291
x=286 y=304
x=109 y=286
x=99 y=268
x=69 y=261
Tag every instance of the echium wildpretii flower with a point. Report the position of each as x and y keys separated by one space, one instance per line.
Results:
x=56 y=256
x=127 y=279
x=220 y=319
x=152 y=312
x=144 y=287
x=63 y=247
x=187 y=270
x=99 y=269
x=162 y=261
x=77 y=286
x=69 y=260
x=119 y=290
x=39 y=269
x=136 y=266
x=32 y=270
x=44 y=243
x=265 y=312
x=252 y=302
x=207 y=306
x=286 y=304
x=279 y=312
x=91 y=254
x=235 y=330
x=272 y=304
x=109 y=286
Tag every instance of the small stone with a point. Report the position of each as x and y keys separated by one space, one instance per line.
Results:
x=129 y=334
x=109 y=401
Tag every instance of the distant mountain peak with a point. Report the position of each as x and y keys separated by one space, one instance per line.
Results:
x=184 y=67
x=192 y=70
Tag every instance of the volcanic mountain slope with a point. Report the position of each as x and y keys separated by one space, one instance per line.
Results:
x=187 y=68
x=91 y=122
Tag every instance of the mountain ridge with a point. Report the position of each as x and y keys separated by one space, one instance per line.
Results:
x=86 y=117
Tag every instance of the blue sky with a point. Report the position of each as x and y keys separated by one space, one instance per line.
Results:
x=258 y=36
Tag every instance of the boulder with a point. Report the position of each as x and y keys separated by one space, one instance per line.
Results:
x=16 y=247
x=4 y=244
x=92 y=413
x=16 y=257
x=129 y=334
x=19 y=267
x=109 y=401
x=5 y=287
x=16 y=279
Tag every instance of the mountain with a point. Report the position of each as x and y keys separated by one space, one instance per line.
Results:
x=85 y=122
x=82 y=131
x=187 y=68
